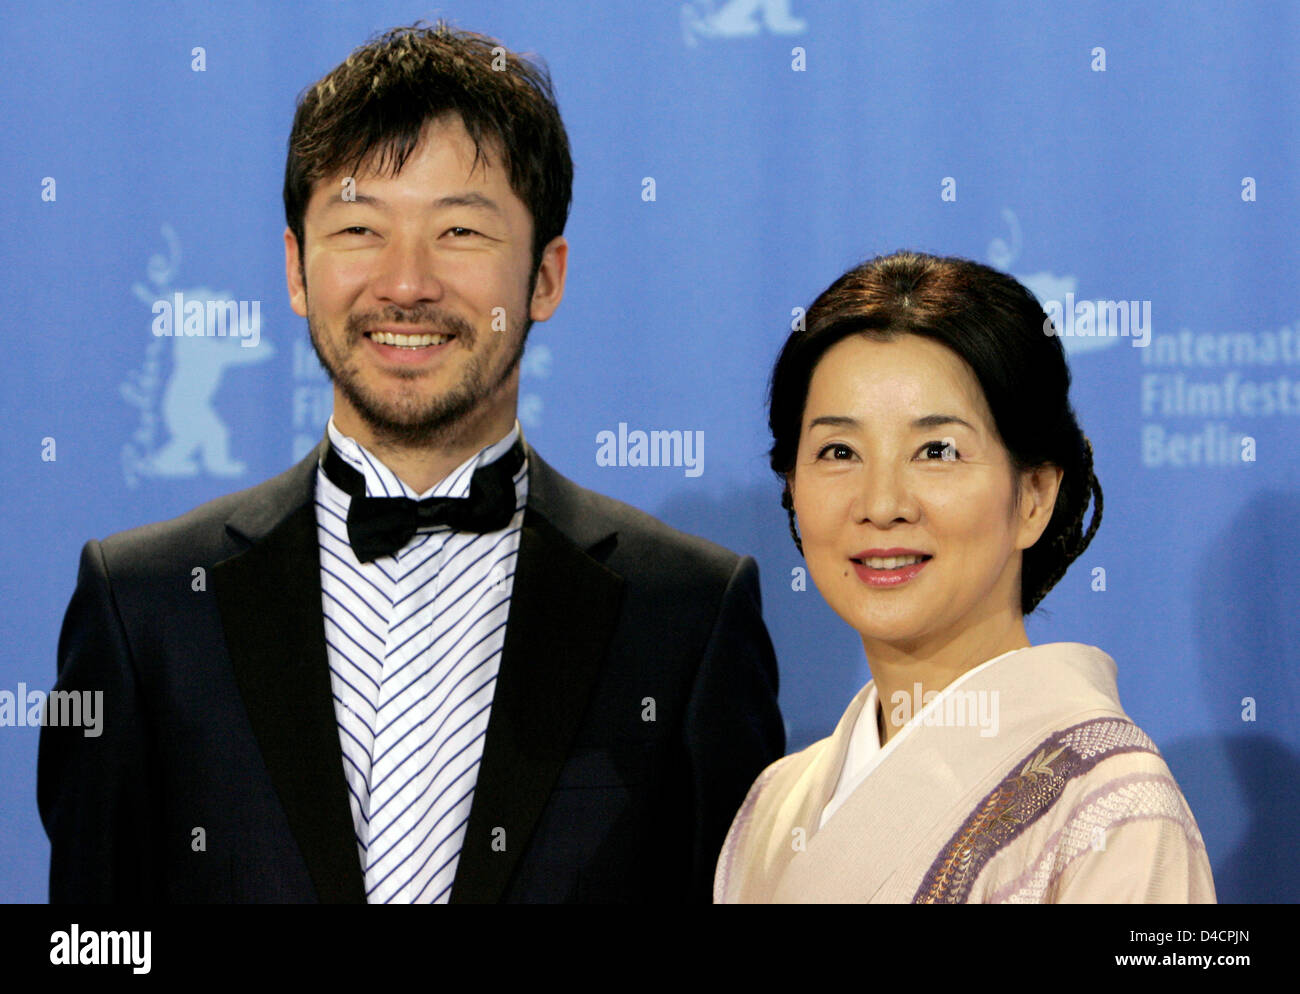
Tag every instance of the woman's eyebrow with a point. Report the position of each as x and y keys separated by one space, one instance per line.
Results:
x=835 y=421
x=938 y=420
x=928 y=421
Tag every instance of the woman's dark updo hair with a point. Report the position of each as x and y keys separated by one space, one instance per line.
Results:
x=1002 y=333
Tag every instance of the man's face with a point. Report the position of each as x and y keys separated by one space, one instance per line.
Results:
x=419 y=293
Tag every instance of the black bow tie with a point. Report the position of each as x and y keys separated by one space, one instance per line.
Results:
x=380 y=526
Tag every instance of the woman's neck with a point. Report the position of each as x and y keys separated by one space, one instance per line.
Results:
x=905 y=672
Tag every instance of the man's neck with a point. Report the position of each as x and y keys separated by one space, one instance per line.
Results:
x=422 y=467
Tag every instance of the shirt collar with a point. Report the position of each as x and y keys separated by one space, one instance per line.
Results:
x=383 y=482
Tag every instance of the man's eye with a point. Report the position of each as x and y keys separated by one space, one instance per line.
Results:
x=945 y=450
x=355 y=229
x=841 y=451
x=461 y=232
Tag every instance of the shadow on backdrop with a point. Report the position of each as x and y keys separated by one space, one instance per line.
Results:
x=1245 y=621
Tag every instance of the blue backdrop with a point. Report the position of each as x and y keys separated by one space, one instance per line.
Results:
x=733 y=157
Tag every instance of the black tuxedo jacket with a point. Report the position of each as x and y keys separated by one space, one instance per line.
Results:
x=634 y=706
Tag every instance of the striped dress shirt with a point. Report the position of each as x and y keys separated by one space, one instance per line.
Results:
x=414 y=643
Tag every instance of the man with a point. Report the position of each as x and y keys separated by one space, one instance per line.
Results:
x=424 y=667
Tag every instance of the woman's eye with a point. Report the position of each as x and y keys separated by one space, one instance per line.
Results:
x=841 y=451
x=945 y=450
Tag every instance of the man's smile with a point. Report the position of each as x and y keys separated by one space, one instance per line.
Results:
x=409 y=340
x=410 y=348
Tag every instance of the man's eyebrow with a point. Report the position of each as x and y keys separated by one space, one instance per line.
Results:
x=469 y=200
x=928 y=421
x=475 y=200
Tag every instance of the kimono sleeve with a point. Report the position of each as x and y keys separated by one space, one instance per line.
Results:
x=1143 y=861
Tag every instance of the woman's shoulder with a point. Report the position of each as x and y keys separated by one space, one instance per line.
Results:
x=787 y=771
x=786 y=785
x=1125 y=832
x=753 y=846
x=1103 y=762
x=1116 y=826
x=1121 y=774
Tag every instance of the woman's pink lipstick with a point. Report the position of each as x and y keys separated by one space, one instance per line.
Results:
x=888 y=577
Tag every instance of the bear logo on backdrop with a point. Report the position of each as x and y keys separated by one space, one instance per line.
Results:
x=738 y=19
x=1050 y=289
x=197 y=335
x=1196 y=391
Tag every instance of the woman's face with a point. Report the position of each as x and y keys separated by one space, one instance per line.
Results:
x=903 y=492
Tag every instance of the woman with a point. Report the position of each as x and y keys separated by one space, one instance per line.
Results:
x=922 y=425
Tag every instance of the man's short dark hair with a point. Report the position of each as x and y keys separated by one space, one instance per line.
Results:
x=369 y=112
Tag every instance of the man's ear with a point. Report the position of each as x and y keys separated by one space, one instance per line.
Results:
x=293 y=274
x=551 y=273
x=1038 y=490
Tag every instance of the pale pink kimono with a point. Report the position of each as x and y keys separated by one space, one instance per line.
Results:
x=1068 y=802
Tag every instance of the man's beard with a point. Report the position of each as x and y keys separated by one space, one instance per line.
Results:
x=412 y=420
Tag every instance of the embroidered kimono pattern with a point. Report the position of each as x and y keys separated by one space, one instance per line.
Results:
x=1019 y=800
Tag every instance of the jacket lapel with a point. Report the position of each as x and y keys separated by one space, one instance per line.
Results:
x=269 y=597
x=563 y=609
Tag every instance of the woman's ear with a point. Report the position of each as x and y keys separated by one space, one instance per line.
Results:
x=787 y=501
x=1038 y=490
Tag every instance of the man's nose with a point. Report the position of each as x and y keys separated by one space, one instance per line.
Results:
x=405 y=272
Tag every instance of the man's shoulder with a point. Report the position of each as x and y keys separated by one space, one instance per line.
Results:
x=201 y=535
x=641 y=538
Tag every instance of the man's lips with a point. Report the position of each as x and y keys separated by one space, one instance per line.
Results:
x=410 y=348
x=407 y=337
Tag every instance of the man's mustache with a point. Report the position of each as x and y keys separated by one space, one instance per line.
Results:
x=434 y=321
